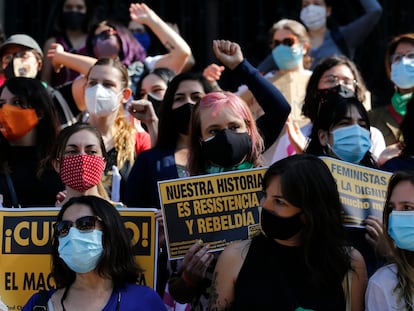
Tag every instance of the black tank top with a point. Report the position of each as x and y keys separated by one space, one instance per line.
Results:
x=274 y=277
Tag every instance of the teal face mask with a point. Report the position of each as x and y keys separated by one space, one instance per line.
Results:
x=401 y=229
x=287 y=57
x=351 y=143
x=81 y=251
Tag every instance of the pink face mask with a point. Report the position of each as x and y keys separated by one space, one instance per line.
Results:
x=82 y=171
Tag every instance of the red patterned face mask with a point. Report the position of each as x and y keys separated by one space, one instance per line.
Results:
x=82 y=171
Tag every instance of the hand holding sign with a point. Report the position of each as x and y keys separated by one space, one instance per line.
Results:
x=196 y=262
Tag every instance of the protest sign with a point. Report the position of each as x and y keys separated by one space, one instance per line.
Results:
x=25 y=261
x=362 y=190
x=216 y=208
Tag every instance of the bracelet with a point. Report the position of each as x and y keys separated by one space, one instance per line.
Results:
x=186 y=280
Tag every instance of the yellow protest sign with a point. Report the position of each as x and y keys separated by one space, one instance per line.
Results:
x=25 y=260
x=216 y=208
x=362 y=190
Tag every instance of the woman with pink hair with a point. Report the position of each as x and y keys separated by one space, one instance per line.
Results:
x=224 y=136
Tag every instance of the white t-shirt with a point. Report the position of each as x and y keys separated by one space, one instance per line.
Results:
x=380 y=295
x=285 y=149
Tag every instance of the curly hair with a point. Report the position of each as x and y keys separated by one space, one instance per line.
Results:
x=125 y=138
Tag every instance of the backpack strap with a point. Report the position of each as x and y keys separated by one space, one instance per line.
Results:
x=42 y=299
x=13 y=196
x=69 y=117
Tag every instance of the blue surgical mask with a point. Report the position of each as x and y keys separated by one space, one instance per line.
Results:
x=287 y=57
x=81 y=251
x=401 y=229
x=351 y=143
x=143 y=38
x=402 y=73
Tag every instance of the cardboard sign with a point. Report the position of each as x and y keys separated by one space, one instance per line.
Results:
x=293 y=86
x=216 y=208
x=25 y=260
x=362 y=190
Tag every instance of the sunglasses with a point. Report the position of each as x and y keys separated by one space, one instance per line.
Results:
x=83 y=224
x=104 y=35
x=285 y=41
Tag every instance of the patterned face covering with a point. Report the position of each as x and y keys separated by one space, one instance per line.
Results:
x=82 y=171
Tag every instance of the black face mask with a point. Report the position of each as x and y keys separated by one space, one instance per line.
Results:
x=328 y=95
x=227 y=148
x=281 y=228
x=156 y=103
x=73 y=20
x=181 y=117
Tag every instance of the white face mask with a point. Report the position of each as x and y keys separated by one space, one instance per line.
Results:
x=101 y=101
x=313 y=16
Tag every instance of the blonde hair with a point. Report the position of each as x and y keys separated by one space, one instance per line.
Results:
x=299 y=31
x=123 y=131
x=124 y=139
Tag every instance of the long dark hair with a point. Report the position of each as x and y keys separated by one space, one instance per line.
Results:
x=323 y=236
x=311 y=102
x=35 y=96
x=167 y=131
x=117 y=261
x=331 y=112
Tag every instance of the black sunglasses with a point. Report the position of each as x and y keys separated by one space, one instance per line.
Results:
x=104 y=35
x=285 y=41
x=83 y=224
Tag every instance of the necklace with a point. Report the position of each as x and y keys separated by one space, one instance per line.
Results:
x=65 y=293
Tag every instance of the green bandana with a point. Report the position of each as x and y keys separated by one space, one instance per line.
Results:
x=399 y=102
x=212 y=169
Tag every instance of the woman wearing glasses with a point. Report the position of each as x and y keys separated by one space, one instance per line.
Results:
x=326 y=38
x=92 y=261
x=291 y=46
x=399 y=65
x=332 y=76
